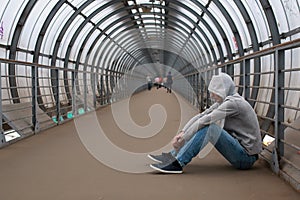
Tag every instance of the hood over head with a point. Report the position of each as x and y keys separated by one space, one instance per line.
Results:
x=222 y=85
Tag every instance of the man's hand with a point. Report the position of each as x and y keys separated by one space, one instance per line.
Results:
x=178 y=141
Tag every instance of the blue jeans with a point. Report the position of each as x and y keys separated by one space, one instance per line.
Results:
x=227 y=145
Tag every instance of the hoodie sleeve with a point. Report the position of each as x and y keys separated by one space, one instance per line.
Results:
x=197 y=117
x=227 y=108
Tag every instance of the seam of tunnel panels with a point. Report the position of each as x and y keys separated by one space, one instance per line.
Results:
x=218 y=27
x=227 y=21
x=195 y=25
x=203 y=21
x=154 y=31
x=77 y=33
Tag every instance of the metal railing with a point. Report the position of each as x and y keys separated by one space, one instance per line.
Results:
x=44 y=100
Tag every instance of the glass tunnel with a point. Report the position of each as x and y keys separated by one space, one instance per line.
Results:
x=61 y=59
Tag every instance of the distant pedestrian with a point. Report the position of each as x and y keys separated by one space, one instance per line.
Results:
x=169 y=82
x=149 y=82
x=158 y=82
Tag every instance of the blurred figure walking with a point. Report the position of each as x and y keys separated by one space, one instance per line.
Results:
x=169 y=82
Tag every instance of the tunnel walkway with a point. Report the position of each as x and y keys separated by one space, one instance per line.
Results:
x=56 y=165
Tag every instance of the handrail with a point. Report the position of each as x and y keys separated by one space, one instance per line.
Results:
x=283 y=46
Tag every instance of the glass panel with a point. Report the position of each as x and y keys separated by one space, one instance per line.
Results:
x=23 y=78
x=88 y=45
x=207 y=33
x=55 y=27
x=9 y=18
x=4 y=84
x=34 y=24
x=79 y=40
x=188 y=13
x=223 y=23
x=280 y=16
x=216 y=32
x=118 y=25
x=92 y=7
x=258 y=18
x=292 y=12
x=69 y=34
x=239 y=22
x=193 y=6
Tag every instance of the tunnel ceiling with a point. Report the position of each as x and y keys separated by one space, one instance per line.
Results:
x=117 y=35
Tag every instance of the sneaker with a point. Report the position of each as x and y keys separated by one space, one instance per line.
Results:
x=171 y=168
x=163 y=158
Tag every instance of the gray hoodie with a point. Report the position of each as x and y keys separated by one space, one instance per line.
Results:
x=234 y=112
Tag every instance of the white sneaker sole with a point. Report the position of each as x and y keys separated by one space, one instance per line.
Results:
x=166 y=171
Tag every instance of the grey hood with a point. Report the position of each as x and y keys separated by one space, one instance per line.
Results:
x=222 y=85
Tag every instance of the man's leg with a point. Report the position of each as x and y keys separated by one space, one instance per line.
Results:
x=192 y=147
x=228 y=146
x=234 y=152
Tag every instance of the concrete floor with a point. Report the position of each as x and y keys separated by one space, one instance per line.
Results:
x=55 y=164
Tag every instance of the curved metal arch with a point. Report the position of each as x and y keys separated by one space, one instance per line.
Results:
x=125 y=62
x=200 y=19
x=198 y=37
x=255 y=46
x=149 y=30
x=196 y=26
x=222 y=33
x=56 y=48
x=167 y=33
x=208 y=42
x=61 y=35
x=116 y=29
x=69 y=22
x=236 y=35
x=95 y=27
x=135 y=58
x=152 y=24
x=13 y=50
x=232 y=26
x=140 y=56
x=164 y=61
x=93 y=45
x=275 y=40
x=271 y=21
x=75 y=36
x=37 y=50
x=118 y=64
x=106 y=48
x=130 y=55
x=190 y=49
x=208 y=28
